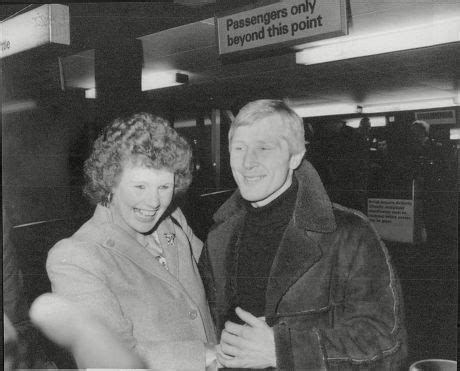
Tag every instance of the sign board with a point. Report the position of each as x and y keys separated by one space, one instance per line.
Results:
x=43 y=25
x=284 y=23
x=393 y=218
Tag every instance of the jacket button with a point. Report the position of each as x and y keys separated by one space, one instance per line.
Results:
x=110 y=242
x=192 y=314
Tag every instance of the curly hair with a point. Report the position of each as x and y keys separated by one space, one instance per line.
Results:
x=142 y=139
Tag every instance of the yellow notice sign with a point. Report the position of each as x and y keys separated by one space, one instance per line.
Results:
x=284 y=23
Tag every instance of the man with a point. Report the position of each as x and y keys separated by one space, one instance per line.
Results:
x=298 y=283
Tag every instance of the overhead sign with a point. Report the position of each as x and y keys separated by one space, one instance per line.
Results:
x=43 y=25
x=284 y=23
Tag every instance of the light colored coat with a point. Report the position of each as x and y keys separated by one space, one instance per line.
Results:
x=162 y=315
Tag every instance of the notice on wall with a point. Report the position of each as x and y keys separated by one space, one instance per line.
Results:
x=286 y=22
x=393 y=218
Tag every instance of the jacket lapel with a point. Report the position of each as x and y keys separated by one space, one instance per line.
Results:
x=296 y=254
x=221 y=244
x=299 y=250
x=122 y=243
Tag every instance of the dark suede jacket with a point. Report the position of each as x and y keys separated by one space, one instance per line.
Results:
x=332 y=298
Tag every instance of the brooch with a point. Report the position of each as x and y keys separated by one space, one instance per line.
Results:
x=170 y=238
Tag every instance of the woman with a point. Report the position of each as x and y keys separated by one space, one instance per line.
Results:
x=133 y=264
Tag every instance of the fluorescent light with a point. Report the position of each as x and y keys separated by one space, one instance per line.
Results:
x=409 y=106
x=454 y=134
x=90 y=93
x=159 y=79
x=447 y=31
x=187 y=123
x=353 y=123
x=18 y=106
x=324 y=109
x=376 y=121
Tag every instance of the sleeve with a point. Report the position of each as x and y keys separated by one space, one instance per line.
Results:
x=77 y=273
x=365 y=329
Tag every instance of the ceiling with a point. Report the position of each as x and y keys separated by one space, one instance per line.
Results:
x=183 y=38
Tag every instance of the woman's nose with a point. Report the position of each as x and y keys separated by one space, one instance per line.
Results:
x=152 y=199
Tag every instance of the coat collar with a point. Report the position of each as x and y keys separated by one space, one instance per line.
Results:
x=298 y=250
x=120 y=242
x=313 y=210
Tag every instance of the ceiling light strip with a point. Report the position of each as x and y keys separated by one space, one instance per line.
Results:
x=447 y=31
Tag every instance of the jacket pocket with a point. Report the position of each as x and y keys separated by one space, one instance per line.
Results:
x=305 y=319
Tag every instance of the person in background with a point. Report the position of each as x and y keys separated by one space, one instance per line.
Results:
x=298 y=283
x=431 y=163
x=364 y=131
x=133 y=264
x=419 y=140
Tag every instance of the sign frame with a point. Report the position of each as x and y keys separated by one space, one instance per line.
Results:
x=277 y=46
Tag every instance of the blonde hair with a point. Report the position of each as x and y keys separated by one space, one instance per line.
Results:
x=294 y=132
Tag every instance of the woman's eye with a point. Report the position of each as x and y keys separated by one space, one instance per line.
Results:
x=140 y=186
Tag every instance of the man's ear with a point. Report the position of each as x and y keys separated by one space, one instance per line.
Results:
x=296 y=160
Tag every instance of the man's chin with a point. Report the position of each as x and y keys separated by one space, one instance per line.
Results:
x=251 y=197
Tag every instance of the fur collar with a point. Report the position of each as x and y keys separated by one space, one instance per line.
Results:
x=313 y=210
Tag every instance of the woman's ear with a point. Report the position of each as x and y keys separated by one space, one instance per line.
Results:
x=296 y=160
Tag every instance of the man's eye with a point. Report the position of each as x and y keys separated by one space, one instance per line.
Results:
x=164 y=187
x=140 y=186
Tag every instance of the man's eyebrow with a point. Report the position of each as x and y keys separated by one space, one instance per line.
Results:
x=267 y=141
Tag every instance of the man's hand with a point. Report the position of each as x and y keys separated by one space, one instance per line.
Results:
x=251 y=345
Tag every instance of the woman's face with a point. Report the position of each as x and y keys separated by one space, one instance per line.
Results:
x=141 y=197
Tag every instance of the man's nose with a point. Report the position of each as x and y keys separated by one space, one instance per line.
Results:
x=249 y=159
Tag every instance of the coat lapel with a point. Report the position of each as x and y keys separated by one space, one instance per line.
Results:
x=221 y=244
x=296 y=254
x=122 y=243
x=299 y=250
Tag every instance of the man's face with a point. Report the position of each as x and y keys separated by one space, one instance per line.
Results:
x=260 y=160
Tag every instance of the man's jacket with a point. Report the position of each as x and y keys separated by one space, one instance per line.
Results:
x=332 y=297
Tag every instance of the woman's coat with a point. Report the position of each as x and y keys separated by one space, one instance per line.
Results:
x=162 y=315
